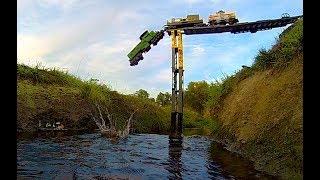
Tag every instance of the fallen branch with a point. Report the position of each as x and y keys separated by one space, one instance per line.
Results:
x=97 y=122
x=101 y=117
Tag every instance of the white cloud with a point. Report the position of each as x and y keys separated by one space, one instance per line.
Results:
x=164 y=76
x=197 y=50
x=68 y=34
x=23 y=4
x=61 y=3
x=30 y=47
x=191 y=2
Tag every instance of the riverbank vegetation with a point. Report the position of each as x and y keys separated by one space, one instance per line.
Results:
x=51 y=95
x=258 y=110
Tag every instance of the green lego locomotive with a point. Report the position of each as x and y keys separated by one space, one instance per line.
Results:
x=147 y=38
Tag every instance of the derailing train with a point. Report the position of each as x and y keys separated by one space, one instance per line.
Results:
x=146 y=40
x=153 y=37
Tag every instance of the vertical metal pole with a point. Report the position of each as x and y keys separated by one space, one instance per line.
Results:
x=174 y=82
x=180 y=98
x=175 y=138
x=177 y=90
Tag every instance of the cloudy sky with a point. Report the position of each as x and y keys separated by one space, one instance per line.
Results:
x=91 y=38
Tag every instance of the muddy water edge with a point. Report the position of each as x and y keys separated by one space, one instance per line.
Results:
x=85 y=154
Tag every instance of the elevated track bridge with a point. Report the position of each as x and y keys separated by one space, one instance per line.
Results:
x=238 y=27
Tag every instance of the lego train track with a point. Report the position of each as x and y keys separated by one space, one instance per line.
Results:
x=240 y=27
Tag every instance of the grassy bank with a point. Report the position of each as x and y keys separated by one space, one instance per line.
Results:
x=262 y=117
x=52 y=95
x=258 y=110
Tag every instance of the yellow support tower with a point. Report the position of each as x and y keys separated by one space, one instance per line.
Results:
x=177 y=90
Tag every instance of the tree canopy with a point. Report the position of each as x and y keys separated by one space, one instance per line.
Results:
x=163 y=98
x=141 y=93
x=196 y=95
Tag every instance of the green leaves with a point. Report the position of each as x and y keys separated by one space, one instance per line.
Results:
x=141 y=93
x=42 y=75
x=95 y=92
x=164 y=99
x=196 y=95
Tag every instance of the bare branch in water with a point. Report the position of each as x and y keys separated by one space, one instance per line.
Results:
x=97 y=122
x=101 y=117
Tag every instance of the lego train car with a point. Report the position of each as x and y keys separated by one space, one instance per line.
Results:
x=190 y=20
x=223 y=18
x=146 y=40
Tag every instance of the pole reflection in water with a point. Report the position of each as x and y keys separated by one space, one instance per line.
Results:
x=174 y=161
x=141 y=156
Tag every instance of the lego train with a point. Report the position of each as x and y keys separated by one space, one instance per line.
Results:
x=149 y=38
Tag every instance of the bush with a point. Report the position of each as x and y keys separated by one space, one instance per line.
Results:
x=263 y=60
x=196 y=95
x=215 y=93
x=95 y=92
x=289 y=43
x=227 y=84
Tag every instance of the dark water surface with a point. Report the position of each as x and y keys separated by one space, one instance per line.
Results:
x=140 y=156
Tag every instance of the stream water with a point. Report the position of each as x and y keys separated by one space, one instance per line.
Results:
x=140 y=156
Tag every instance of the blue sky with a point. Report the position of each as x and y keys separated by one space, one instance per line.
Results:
x=91 y=39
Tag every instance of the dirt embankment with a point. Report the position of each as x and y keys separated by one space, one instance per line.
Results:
x=48 y=103
x=39 y=102
x=47 y=95
x=262 y=118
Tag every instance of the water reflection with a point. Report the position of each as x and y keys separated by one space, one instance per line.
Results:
x=231 y=165
x=174 y=161
x=49 y=134
x=140 y=156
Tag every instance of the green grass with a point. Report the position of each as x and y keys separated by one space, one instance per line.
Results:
x=38 y=86
x=95 y=92
x=42 y=75
x=26 y=93
x=281 y=148
x=242 y=107
x=289 y=43
x=261 y=106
